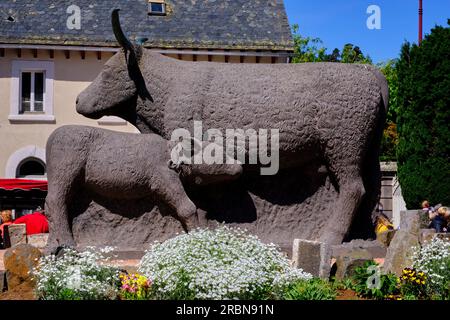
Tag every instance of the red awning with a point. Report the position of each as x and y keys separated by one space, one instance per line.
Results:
x=22 y=184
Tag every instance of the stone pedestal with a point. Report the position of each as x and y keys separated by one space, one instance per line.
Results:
x=313 y=257
x=15 y=234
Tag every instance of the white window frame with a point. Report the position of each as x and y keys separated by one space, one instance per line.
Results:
x=20 y=66
x=157 y=13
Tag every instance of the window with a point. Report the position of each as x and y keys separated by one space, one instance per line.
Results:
x=156 y=8
x=31 y=168
x=32 y=91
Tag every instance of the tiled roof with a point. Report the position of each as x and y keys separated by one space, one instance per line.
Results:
x=225 y=24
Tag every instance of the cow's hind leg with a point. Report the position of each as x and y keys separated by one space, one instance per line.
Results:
x=351 y=193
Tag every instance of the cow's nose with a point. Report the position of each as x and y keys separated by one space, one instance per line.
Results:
x=78 y=100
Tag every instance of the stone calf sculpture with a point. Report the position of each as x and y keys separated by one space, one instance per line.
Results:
x=116 y=166
x=326 y=112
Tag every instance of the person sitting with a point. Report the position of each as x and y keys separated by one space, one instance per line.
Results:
x=439 y=222
x=35 y=223
x=6 y=216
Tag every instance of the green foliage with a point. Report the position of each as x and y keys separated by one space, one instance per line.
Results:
x=387 y=287
x=309 y=49
x=423 y=118
x=314 y=289
x=353 y=54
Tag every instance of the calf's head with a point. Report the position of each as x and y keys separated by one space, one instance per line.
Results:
x=116 y=89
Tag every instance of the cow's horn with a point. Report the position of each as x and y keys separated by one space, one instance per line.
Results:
x=118 y=32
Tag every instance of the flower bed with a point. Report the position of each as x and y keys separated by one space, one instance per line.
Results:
x=228 y=263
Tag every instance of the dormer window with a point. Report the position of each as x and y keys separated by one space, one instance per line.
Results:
x=157 y=8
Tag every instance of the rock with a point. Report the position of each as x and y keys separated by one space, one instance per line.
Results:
x=399 y=253
x=19 y=261
x=385 y=238
x=426 y=235
x=346 y=264
x=370 y=249
x=38 y=240
x=313 y=257
x=16 y=234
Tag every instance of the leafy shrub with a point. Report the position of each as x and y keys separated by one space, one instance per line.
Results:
x=218 y=264
x=434 y=260
x=135 y=287
x=387 y=283
x=314 y=289
x=76 y=276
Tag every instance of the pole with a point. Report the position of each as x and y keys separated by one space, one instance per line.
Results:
x=420 y=21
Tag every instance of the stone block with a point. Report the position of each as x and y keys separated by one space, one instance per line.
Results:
x=399 y=253
x=38 y=240
x=313 y=257
x=19 y=262
x=15 y=234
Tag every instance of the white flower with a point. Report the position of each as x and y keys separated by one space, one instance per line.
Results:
x=224 y=263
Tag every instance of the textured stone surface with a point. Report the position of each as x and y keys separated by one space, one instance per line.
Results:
x=225 y=24
x=398 y=255
x=364 y=248
x=38 y=240
x=330 y=118
x=19 y=261
x=16 y=234
x=313 y=257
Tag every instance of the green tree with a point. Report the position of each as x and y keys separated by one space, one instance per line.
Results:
x=309 y=49
x=353 y=54
x=423 y=118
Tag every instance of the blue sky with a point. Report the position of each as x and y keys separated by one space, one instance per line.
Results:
x=338 y=22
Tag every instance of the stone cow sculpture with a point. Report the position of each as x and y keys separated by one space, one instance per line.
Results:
x=326 y=112
x=103 y=161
